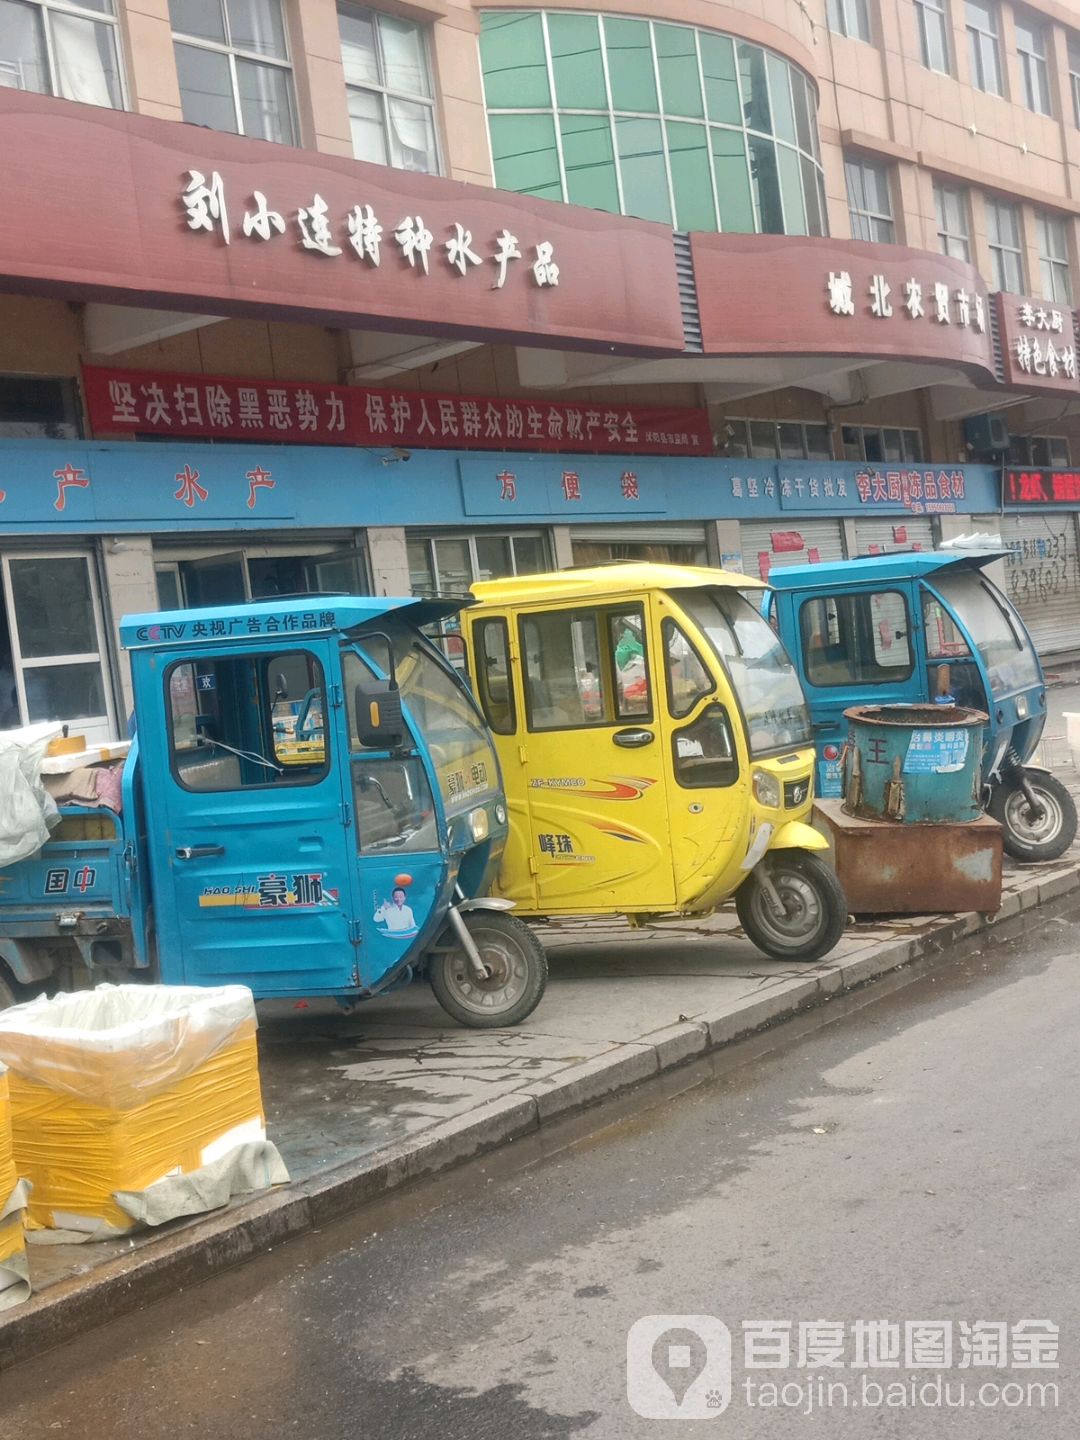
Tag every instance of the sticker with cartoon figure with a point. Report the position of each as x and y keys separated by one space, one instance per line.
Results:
x=394 y=916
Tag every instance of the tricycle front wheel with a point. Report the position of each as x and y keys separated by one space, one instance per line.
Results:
x=814 y=907
x=1029 y=835
x=517 y=972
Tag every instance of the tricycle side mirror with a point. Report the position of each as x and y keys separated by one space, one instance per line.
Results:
x=379 y=722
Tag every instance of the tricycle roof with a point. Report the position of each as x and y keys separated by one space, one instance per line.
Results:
x=595 y=581
x=900 y=565
x=306 y=615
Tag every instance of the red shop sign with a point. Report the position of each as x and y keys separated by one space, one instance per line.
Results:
x=786 y=542
x=140 y=402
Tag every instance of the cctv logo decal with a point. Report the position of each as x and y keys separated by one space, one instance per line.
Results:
x=678 y=1367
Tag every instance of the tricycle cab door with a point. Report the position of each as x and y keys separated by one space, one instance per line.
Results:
x=592 y=757
x=249 y=833
x=855 y=645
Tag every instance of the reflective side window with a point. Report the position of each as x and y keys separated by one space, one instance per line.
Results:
x=494 y=682
x=858 y=639
x=687 y=679
x=704 y=752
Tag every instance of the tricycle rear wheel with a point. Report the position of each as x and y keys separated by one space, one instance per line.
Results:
x=517 y=965
x=815 y=908
x=1027 y=836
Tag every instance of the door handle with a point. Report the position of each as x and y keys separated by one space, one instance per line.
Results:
x=633 y=739
x=198 y=852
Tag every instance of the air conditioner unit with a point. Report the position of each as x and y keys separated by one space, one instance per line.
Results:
x=987 y=434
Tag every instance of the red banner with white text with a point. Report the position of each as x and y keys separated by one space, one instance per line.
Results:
x=140 y=402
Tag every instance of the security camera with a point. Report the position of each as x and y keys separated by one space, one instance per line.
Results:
x=395 y=455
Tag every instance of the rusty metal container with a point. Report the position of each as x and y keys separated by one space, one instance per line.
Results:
x=916 y=764
x=891 y=869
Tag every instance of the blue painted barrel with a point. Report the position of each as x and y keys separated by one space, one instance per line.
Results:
x=918 y=764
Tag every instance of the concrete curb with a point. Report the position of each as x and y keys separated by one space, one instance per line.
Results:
x=188 y=1255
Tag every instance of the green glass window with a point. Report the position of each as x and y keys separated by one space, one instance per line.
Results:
x=656 y=119
x=680 y=83
x=630 y=65
x=576 y=60
x=691 y=177
x=514 y=62
x=721 y=82
x=733 y=181
x=526 y=160
x=589 y=161
x=644 y=173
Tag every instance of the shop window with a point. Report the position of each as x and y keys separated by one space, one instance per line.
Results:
x=232 y=62
x=933 y=22
x=658 y=120
x=878 y=445
x=859 y=639
x=954 y=238
x=656 y=550
x=1031 y=53
x=585 y=668
x=784 y=440
x=388 y=84
x=1054 y=258
x=240 y=721
x=1003 y=233
x=59 y=48
x=34 y=408
x=869 y=201
x=448 y=564
x=231 y=577
x=984 y=52
x=849 y=17
x=1044 y=452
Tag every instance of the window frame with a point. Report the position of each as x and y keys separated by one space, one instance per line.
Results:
x=430 y=540
x=979 y=41
x=939 y=9
x=1000 y=250
x=483 y=690
x=912 y=453
x=748 y=447
x=46 y=9
x=868 y=595
x=856 y=168
x=612 y=115
x=1073 y=62
x=843 y=12
x=1057 y=267
x=311 y=775
x=601 y=616
x=943 y=192
x=1034 y=70
x=385 y=92
x=233 y=53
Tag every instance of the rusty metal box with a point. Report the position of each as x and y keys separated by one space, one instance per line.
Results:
x=892 y=869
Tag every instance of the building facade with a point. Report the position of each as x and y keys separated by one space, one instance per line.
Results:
x=301 y=296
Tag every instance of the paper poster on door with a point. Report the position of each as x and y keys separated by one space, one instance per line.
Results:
x=393 y=914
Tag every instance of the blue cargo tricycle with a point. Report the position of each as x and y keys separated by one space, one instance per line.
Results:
x=911 y=628
x=312 y=806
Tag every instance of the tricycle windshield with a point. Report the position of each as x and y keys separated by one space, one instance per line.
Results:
x=1003 y=644
x=446 y=716
x=757 y=664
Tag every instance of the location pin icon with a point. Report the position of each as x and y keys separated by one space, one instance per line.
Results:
x=678 y=1357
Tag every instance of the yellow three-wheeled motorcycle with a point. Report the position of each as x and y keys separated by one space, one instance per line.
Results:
x=656 y=751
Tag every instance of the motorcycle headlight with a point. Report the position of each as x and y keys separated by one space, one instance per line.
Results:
x=478 y=825
x=766 y=789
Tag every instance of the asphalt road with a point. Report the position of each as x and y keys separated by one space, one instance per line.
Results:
x=913 y=1161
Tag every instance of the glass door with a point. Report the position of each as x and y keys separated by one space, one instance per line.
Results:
x=56 y=644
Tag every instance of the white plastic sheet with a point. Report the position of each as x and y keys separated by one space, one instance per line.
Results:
x=27 y=811
x=118 y=1045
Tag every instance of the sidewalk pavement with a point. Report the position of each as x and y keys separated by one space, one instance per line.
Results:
x=359 y=1104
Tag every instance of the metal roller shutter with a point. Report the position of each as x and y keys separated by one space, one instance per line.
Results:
x=824 y=536
x=917 y=530
x=1043 y=577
